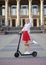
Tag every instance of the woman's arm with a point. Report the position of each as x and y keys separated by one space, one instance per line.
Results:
x=31 y=20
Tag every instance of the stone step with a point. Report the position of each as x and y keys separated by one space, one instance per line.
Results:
x=14 y=30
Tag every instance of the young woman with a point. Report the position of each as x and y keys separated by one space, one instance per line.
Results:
x=26 y=34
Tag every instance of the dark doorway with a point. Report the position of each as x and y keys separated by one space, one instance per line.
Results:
x=3 y=22
x=8 y=22
x=35 y=22
x=45 y=22
x=23 y=22
x=13 y=23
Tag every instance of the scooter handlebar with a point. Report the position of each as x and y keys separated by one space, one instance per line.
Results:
x=21 y=33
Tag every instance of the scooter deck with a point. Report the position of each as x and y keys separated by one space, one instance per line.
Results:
x=26 y=54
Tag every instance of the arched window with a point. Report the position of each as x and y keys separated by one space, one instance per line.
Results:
x=3 y=10
x=35 y=9
x=24 y=9
x=44 y=10
x=13 y=10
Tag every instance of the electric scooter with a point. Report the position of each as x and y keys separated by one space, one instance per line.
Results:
x=17 y=53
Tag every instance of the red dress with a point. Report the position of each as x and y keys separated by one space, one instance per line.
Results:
x=25 y=36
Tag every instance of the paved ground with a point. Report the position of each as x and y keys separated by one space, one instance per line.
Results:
x=8 y=46
x=23 y=61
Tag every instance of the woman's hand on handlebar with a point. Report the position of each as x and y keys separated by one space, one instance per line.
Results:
x=21 y=32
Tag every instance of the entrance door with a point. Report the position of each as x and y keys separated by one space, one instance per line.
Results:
x=13 y=23
x=23 y=22
x=45 y=22
x=3 y=22
x=35 y=22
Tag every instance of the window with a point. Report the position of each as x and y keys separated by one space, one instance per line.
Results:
x=3 y=10
x=13 y=10
x=44 y=9
x=35 y=9
x=24 y=9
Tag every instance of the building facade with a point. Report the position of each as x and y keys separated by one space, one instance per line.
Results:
x=14 y=12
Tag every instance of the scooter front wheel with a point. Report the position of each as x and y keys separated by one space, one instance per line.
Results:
x=16 y=54
x=34 y=54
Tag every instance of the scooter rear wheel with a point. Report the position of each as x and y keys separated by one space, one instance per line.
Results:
x=34 y=54
x=16 y=54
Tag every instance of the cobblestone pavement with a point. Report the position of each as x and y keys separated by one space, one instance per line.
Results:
x=8 y=46
x=23 y=61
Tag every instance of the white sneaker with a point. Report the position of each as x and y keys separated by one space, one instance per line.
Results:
x=27 y=52
x=34 y=42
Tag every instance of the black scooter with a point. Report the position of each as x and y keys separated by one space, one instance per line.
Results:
x=17 y=53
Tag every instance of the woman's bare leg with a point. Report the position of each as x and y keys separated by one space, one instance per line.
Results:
x=27 y=46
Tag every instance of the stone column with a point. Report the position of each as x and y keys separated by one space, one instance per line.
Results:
x=37 y=22
x=0 y=10
x=30 y=8
x=6 y=12
x=41 y=12
x=10 y=17
x=18 y=13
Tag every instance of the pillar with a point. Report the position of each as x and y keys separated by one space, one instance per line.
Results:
x=41 y=12
x=30 y=8
x=18 y=13
x=6 y=12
